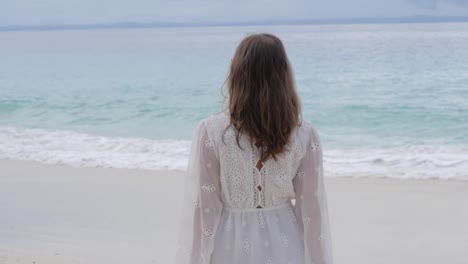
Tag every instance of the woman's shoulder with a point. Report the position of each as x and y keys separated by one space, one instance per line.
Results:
x=308 y=130
x=215 y=118
x=215 y=121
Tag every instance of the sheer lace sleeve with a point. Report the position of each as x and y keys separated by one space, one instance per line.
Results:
x=202 y=204
x=311 y=203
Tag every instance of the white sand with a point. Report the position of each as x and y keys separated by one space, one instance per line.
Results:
x=60 y=214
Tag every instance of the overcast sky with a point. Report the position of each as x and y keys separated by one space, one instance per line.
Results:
x=41 y=12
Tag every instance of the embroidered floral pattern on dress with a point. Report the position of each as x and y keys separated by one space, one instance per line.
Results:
x=300 y=174
x=316 y=193
x=284 y=240
x=314 y=146
x=209 y=144
x=261 y=220
x=207 y=233
x=208 y=188
x=229 y=223
x=269 y=186
x=292 y=214
x=247 y=245
x=258 y=182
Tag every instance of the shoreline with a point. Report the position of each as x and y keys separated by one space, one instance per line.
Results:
x=64 y=214
x=13 y=164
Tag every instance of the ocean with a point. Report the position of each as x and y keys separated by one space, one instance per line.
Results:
x=388 y=100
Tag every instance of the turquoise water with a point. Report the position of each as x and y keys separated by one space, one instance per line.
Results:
x=389 y=100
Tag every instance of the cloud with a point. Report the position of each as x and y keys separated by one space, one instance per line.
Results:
x=27 y=12
x=105 y=11
x=425 y=4
x=459 y=2
x=439 y=4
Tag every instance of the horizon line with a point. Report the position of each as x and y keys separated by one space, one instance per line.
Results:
x=132 y=24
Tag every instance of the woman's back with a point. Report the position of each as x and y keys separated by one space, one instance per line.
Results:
x=243 y=184
x=238 y=207
x=238 y=213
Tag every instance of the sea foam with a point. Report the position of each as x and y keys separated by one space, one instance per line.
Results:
x=79 y=149
x=85 y=150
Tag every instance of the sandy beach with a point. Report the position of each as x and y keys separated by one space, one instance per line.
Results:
x=62 y=214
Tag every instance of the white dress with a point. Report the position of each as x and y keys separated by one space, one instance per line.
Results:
x=234 y=213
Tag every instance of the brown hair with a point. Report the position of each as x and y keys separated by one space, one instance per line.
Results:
x=263 y=102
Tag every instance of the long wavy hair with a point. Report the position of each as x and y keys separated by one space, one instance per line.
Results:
x=263 y=102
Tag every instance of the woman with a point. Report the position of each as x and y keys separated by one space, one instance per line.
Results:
x=247 y=163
